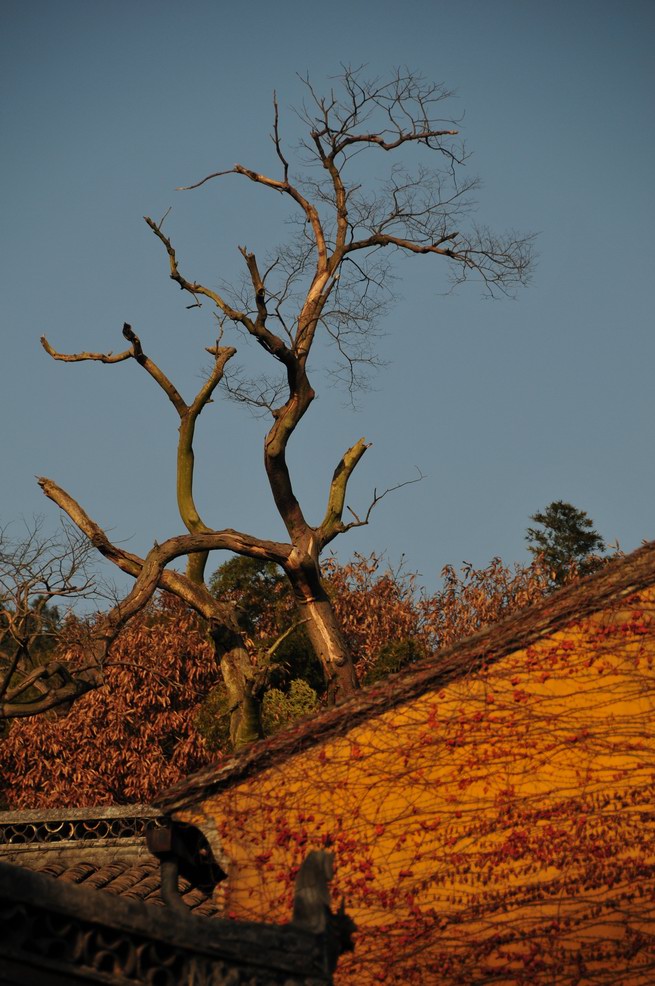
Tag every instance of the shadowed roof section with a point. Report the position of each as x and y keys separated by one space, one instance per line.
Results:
x=618 y=580
x=129 y=880
x=97 y=849
x=56 y=934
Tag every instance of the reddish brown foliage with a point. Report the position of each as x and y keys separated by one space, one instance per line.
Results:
x=378 y=607
x=477 y=597
x=128 y=740
x=138 y=734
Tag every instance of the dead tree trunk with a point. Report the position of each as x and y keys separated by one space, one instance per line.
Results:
x=321 y=624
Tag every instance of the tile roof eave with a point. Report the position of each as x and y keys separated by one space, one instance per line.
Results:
x=67 y=814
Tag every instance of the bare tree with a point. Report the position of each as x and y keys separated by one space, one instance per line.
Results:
x=37 y=571
x=330 y=279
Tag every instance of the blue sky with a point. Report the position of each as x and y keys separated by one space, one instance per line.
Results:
x=504 y=406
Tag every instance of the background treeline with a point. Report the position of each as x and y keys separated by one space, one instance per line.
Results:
x=165 y=710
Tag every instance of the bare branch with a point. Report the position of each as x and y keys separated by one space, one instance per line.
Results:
x=391 y=145
x=79 y=357
x=61 y=689
x=333 y=521
x=283 y=636
x=284 y=187
x=215 y=174
x=10 y=669
x=194 y=595
x=192 y=287
x=358 y=522
x=276 y=139
x=224 y=540
x=151 y=367
x=261 y=394
x=35 y=570
x=135 y=352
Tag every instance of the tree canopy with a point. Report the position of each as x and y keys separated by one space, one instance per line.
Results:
x=566 y=540
x=165 y=709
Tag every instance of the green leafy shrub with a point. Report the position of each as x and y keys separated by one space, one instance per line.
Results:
x=280 y=708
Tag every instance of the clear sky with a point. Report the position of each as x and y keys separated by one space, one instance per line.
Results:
x=504 y=406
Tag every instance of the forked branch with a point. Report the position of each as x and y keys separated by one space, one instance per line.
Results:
x=332 y=524
x=363 y=521
x=193 y=287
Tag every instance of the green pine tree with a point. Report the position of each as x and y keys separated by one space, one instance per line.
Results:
x=567 y=542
